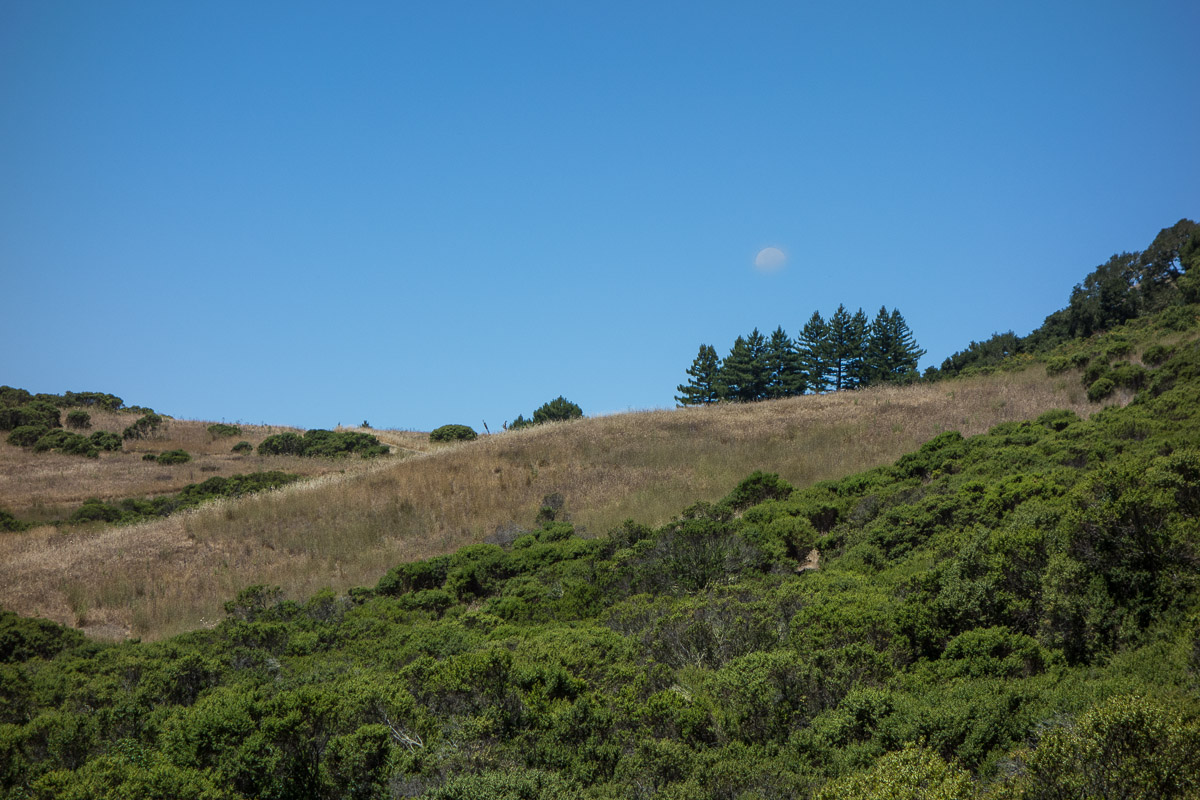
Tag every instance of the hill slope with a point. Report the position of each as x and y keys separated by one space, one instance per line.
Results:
x=345 y=530
x=1008 y=615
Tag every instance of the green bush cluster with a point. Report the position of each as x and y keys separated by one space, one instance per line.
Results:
x=243 y=447
x=320 y=443
x=79 y=419
x=146 y=426
x=219 y=430
x=192 y=495
x=174 y=457
x=453 y=433
x=43 y=439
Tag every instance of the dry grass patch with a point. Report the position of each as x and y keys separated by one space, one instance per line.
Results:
x=346 y=529
x=47 y=486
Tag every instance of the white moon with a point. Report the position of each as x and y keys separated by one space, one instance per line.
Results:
x=769 y=259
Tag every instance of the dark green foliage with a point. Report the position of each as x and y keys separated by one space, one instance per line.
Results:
x=66 y=442
x=106 y=440
x=319 y=443
x=518 y=423
x=743 y=375
x=34 y=412
x=27 y=435
x=174 y=457
x=79 y=419
x=1155 y=355
x=1101 y=388
x=453 y=433
x=101 y=400
x=149 y=456
x=557 y=410
x=144 y=428
x=243 y=447
x=9 y=523
x=813 y=353
x=220 y=429
x=703 y=386
x=23 y=638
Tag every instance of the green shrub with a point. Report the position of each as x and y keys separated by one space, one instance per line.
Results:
x=1100 y=389
x=1131 y=376
x=220 y=429
x=79 y=419
x=150 y=457
x=174 y=457
x=282 y=444
x=453 y=433
x=66 y=442
x=518 y=423
x=35 y=412
x=147 y=426
x=106 y=440
x=27 y=435
x=323 y=443
x=10 y=523
x=243 y=447
x=1156 y=354
x=1177 y=318
x=1093 y=373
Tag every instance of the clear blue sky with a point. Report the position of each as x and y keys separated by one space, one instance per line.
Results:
x=414 y=214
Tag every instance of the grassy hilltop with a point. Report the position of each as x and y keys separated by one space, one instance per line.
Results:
x=985 y=586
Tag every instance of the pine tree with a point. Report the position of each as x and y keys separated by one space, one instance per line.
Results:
x=901 y=361
x=880 y=344
x=703 y=379
x=858 y=368
x=784 y=378
x=743 y=373
x=812 y=353
x=845 y=348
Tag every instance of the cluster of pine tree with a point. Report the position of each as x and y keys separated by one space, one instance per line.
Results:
x=846 y=352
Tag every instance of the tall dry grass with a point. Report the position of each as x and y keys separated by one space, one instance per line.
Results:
x=48 y=486
x=346 y=529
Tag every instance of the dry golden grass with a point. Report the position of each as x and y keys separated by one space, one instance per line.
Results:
x=346 y=529
x=48 y=486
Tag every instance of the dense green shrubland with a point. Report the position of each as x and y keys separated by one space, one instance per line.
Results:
x=1008 y=615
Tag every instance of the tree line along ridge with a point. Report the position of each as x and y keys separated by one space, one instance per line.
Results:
x=847 y=351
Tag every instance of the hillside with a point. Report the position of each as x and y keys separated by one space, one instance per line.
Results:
x=1011 y=614
x=349 y=526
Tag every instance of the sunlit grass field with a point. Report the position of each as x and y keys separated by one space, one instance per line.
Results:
x=353 y=519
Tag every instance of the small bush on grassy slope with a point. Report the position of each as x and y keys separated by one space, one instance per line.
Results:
x=144 y=428
x=10 y=523
x=79 y=419
x=27 y=435
x=106 y=440
x=66 y=442
x=243 y=447
x=220 y=429
x=453 y=433
x=174 y=457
